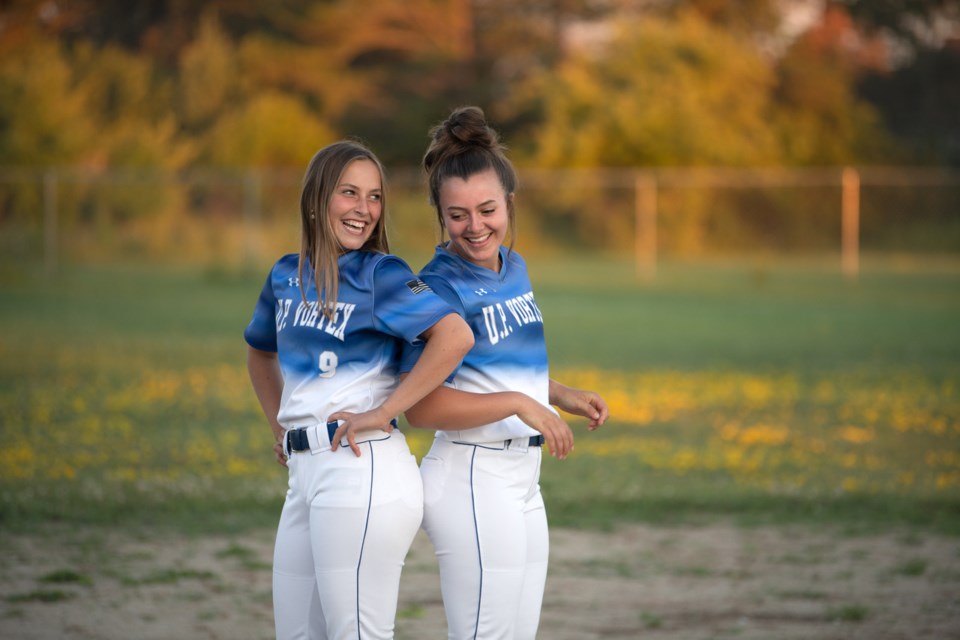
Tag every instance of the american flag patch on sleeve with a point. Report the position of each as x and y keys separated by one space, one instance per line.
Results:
x=418 y=286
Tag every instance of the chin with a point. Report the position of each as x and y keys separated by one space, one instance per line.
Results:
x=354 y=244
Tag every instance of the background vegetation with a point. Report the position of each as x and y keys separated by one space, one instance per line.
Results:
x=167 y=138
x=570 y=83
x=769 y=392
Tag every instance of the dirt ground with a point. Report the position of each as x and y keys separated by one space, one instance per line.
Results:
x=639 y=581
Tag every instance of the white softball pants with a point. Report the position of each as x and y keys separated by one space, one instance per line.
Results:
x=345 y=529
x=485 y=516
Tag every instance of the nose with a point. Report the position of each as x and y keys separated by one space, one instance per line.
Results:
x=362 y=206
x=474 y=223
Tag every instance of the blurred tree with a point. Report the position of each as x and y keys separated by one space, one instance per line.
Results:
x=208 y=78
x=917 y=94
x=744 y=16
x=413 y=62
x=129 y=104
x=158 y=28
x=910 y=20
x=271 y=130
x=387 y=71
x=396 y=69
x=660 y=93
x=244 y=102
x=920 y=102
x=820 y=118
x=517 y=41
x=43 y=117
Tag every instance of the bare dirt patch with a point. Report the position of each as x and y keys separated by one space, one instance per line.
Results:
x=639 y=581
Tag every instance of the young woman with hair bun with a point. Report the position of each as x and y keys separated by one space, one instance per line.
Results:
x=483 y=509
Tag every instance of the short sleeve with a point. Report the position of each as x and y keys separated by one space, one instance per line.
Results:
x=404 y=305
x=411 y=352
x=261 y=333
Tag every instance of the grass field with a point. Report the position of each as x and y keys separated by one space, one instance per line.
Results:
x=764 y=390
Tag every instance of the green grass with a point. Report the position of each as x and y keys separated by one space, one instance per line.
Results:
x=803 y=318
x=40 y=595
x=67 y=576
x=848 y=613
x=913 y=567
x=123 y=395
x=170 y=576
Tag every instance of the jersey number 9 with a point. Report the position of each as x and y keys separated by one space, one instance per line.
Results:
x=328 y=364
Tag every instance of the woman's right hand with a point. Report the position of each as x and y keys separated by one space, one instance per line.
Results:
x=556 y=433
x=278 y=451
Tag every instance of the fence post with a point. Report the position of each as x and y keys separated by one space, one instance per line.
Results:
x=251 y=214
x=850 y=224
x=645 y=241
x=50 y=221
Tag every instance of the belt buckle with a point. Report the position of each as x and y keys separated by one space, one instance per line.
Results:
x=297 y=440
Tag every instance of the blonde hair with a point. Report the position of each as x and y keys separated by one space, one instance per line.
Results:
x=319 y=245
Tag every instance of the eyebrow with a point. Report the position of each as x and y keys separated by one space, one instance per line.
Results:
x=355 y=187
x=456 y=207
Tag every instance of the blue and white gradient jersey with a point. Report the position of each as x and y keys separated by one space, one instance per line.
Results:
x=509 y=352
x=349 y=362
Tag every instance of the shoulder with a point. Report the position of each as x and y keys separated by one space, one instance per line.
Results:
x=287 y=261
x=385 y=263
x=515 y=269
x=442 y=274
x=363 y=269
x=284 y=269
x=371 y=260
x=441 y=265
x=286 y=264
x=513 y=259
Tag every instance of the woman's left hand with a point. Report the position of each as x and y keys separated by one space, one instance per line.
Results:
x=353 y=423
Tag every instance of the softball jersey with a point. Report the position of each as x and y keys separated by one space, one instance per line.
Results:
x=510 y=351
x=347 y=362
x=347 y=522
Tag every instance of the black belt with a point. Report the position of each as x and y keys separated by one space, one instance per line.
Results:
x=297 y=439
x=534 y=441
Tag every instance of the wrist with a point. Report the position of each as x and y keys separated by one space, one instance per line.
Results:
x=519 y=402
x=382 y=414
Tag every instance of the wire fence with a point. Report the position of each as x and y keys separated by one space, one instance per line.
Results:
x=230 y=217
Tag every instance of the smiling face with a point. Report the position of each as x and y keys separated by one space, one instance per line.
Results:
x=476 y=215
x=356 y=204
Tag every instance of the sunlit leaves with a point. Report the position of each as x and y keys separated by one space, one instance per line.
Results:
x=43 y=115
x=661 y=93
x=271 y=130
x=209 y=75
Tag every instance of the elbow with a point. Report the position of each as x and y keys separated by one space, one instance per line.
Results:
x=453 y=332
x=416 y=417
x=258 y=359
